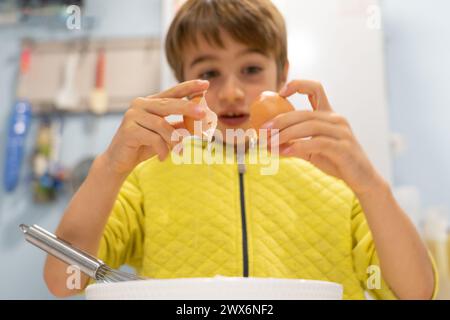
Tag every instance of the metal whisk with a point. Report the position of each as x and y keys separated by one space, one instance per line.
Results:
x=67 y=253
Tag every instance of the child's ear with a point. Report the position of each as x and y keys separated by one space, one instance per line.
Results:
x=284 y=76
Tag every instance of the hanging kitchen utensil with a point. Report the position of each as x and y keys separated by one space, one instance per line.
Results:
x=68 y=98
x=18 y=127
x=99 y=97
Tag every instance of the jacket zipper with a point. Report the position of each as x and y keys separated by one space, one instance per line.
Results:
x=242 y=169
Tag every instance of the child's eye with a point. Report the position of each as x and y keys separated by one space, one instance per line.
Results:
x=252 y=70
x=209 y=75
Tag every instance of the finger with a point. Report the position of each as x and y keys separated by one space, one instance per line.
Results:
x=148 y=138
x=318 y=160
x=285 y=120
x=293 y=150
x=314 y=90
x=178 y=125
x=184 y=89
x=164 y=107
x=156 y=124
x=328 y=147
x=307 y=129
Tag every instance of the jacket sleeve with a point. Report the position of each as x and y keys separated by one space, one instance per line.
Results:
x=123 y=237
x=366 y=260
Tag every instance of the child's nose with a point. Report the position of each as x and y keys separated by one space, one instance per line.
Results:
x=231 y=92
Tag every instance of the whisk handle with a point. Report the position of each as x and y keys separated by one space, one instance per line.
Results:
x=61 y=249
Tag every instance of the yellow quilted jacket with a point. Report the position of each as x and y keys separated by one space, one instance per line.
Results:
x=178 y=221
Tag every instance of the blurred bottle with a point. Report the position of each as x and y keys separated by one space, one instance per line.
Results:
x=18 y=127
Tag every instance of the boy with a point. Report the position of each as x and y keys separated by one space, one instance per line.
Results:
x=325 y=215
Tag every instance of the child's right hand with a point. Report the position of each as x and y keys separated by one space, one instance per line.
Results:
x=144 y=131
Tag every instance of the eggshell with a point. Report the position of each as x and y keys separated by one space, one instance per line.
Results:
x=188 y=121
x=209 y=121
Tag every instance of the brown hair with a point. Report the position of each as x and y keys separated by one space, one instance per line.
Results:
x=257 y=23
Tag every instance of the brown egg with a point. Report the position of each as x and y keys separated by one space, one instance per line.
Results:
x=266 y=107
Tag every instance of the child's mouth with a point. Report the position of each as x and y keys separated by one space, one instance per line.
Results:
x=234 y=119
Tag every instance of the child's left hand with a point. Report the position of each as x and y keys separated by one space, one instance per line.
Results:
x=323 y=138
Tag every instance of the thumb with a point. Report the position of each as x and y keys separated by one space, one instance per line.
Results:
x=313 y=89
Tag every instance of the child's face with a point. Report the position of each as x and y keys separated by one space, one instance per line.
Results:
x=237 y=76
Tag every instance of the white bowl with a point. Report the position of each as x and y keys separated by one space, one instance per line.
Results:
x=218 y=288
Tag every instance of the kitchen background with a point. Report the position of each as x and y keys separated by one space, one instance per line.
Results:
x=384 y=64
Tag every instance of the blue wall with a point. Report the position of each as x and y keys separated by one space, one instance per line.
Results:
x=21 y=264
x=418 y=70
